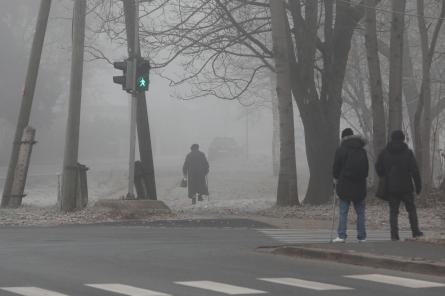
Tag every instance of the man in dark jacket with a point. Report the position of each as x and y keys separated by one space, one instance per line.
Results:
x=350 y=172
x=398 y=165
x=195 y=170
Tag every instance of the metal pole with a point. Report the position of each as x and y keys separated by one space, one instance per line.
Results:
x=70 y=174
x=28 y=95
x=133 y=103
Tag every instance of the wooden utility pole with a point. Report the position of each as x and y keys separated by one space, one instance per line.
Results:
x=70 y=164
x=143 y=127
x=28 y=96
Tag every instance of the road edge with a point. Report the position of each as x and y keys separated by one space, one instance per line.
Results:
x=362 y=259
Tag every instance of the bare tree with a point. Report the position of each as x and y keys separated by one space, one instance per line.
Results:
x=375 y=79
x=422 y=119
x=396 y=65
x=287 y=192
x=225 y=45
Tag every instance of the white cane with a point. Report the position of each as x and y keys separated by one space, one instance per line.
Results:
x=333 y=213
x=208 y=195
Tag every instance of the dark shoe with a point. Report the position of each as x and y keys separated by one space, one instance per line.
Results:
x=193 y=200
x=395 y=238
x=200 y=198
x=418 y=234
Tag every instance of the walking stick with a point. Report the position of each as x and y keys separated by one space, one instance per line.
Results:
x=333 y=213
x=208 y=195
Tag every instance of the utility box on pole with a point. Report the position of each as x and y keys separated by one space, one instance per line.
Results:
x=28 y=96
x=21 y=170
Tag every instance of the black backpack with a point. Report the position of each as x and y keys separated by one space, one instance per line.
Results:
x=356 y=165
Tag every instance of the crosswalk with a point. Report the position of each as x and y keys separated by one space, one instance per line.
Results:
x=301 y=236
x=230 y=289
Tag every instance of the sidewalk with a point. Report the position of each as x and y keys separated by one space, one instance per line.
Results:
x=410 y=256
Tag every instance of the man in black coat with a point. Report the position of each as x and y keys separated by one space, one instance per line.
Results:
x=398 y=165
x=195 y=170
x=350 y=172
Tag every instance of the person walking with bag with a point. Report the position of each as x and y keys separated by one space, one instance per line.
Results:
x=350 y=173
x=195 y=170
x=398 y=165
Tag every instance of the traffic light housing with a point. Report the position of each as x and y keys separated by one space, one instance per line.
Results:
x=124 y=80
x=142 y=75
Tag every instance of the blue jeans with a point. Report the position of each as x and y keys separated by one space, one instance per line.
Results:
x=359 y=207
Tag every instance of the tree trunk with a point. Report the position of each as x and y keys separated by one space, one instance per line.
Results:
x=321 y=141
x=287 y=191
x=275 y=128
x=396 y=66
x=409 y=83
x=375 y=79
x=320 y=111
x=422 y=119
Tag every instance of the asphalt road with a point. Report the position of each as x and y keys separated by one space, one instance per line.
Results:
x=178 y=260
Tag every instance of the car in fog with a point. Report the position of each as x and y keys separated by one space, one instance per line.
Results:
x=224 y=148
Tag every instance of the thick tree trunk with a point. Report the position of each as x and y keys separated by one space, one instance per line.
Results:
x=396 y=66
x=287 y=191
x=320 y=112
x=375 y=79
x=321 y=142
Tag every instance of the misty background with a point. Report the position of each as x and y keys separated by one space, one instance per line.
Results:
x=175 y=124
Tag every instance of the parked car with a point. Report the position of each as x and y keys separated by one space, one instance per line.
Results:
x=224 y=148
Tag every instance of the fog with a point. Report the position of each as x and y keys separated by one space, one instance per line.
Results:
x=175 y=124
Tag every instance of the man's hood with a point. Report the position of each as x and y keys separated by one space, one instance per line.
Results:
x=396 y=147
x=354 y=142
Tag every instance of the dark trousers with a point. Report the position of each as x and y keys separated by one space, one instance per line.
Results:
x=394 y=205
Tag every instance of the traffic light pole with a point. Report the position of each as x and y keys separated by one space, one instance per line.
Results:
x=28 y=96
x=133 y=103
x=143 y=127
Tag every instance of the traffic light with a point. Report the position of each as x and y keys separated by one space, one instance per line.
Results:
x=142 y=75
x=126 y=79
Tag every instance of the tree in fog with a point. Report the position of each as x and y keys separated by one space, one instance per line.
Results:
x=422 y=119
x=224 y=45
x=287 y=193
x=375 y=78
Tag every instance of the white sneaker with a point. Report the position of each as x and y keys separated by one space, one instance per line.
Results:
x=362 y=240
x=339 y=240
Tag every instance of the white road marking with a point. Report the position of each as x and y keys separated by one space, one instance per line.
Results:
x=397 y=281
x=220 y=287
x=305 y=284
x=31 y=291
x=126 y=290
x=318 y=236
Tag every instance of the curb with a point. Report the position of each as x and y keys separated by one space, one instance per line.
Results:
x=363 y=259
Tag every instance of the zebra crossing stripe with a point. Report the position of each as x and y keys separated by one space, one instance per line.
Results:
x=220 y=287
x=31 y=291
x=304 y=284
x=126 y=290
x=318 y=236
x=397 y=281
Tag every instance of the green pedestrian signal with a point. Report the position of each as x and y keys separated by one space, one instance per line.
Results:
x=142 y=75
x=142 y=84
